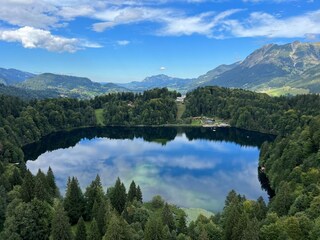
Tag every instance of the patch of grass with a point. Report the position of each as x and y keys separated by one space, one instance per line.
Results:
x=181 y=109
x=99 y=116
x=285 y=91
x=193 y=213
x=196 y=122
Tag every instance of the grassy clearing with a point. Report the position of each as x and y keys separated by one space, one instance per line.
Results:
x=99 y=116
x=181 y=109
x=193 y=213
x=196 y=122
x=285 y=91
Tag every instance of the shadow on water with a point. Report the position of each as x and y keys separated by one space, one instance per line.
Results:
x=161 y=135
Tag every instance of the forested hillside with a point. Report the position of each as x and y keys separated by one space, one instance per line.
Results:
x=31 y=207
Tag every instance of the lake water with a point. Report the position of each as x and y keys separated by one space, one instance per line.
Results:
x=189 y=167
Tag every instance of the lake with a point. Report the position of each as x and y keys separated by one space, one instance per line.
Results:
x=189 y=167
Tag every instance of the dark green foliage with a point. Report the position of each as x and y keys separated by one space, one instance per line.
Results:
x=118 y=196
x=60 y=227
x=3 y=206
x=53 y=189
x=182 y=224
x=118 y=229
x=94 y=193
x=93 y=231
x=81 y=232
x=253 y=111
x=153 y=107
x=139 y=194
x=28 y=221
x=74 y=202
x=167 y=217
x=99 y=211
x=157 y=202
x=132 y=193
x=41 y=188
x=154 y=229
x=27 y=187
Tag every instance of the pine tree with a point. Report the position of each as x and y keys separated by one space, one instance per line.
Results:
x=41 y=187
x=81 y=232
x=27 y=187
x=53 y=189
x=94 y=232
x=94 y=193
x=118 y=196
x=74 y=202
x=99 y=213
x=132 y=193
x=139 y=194
x=182 y=224
x=60 y=227
x=15 y=178
x=153 y=229
x=167 y=217
x=3 y=206
x=166 y=233
x=117 y=229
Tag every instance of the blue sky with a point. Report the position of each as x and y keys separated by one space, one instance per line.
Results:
x=126 y=40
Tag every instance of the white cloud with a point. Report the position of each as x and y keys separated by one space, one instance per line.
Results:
x=123 y=42
x=162 y=68
x=32 y=21
x=31 y=37
x=203 y=24
x=261 y=24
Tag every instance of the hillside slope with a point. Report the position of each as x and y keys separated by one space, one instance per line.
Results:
x=69 y=85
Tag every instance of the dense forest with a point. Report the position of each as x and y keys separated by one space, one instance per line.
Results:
x=31 y=207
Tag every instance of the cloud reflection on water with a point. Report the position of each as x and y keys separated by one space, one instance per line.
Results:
x=196 y=173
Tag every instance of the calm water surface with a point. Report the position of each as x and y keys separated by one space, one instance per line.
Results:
x=191 y=167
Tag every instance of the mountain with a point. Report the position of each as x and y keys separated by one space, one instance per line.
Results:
x=27 y=94
x=159 y=81
x=182 y=85
x=295 y=65
x=69 y=86
x=215 y=72
x=13 y=76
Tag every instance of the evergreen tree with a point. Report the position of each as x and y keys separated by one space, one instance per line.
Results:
x=251 y=232
x=53 y=189
x=3 y=206
x=74 y=202
x=153 y=229
x=117 y=229
x=182 y=224
x=118 y=196
x=166 y=233
x=28 y=221
x=27 y=187
x=41 y=187
x=60 y=227
x=94 y=193
x=99 y=213
x=132 y=193
x=167 y=217
x=139 y=194
x=81 y=232
x=94 y=232
x=15 y=178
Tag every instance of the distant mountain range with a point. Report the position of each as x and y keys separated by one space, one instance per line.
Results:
x=292 y=68
x=69 y=86
x=276 y=69
x=13 y=76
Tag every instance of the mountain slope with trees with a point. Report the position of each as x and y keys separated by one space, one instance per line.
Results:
x=69 y=86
